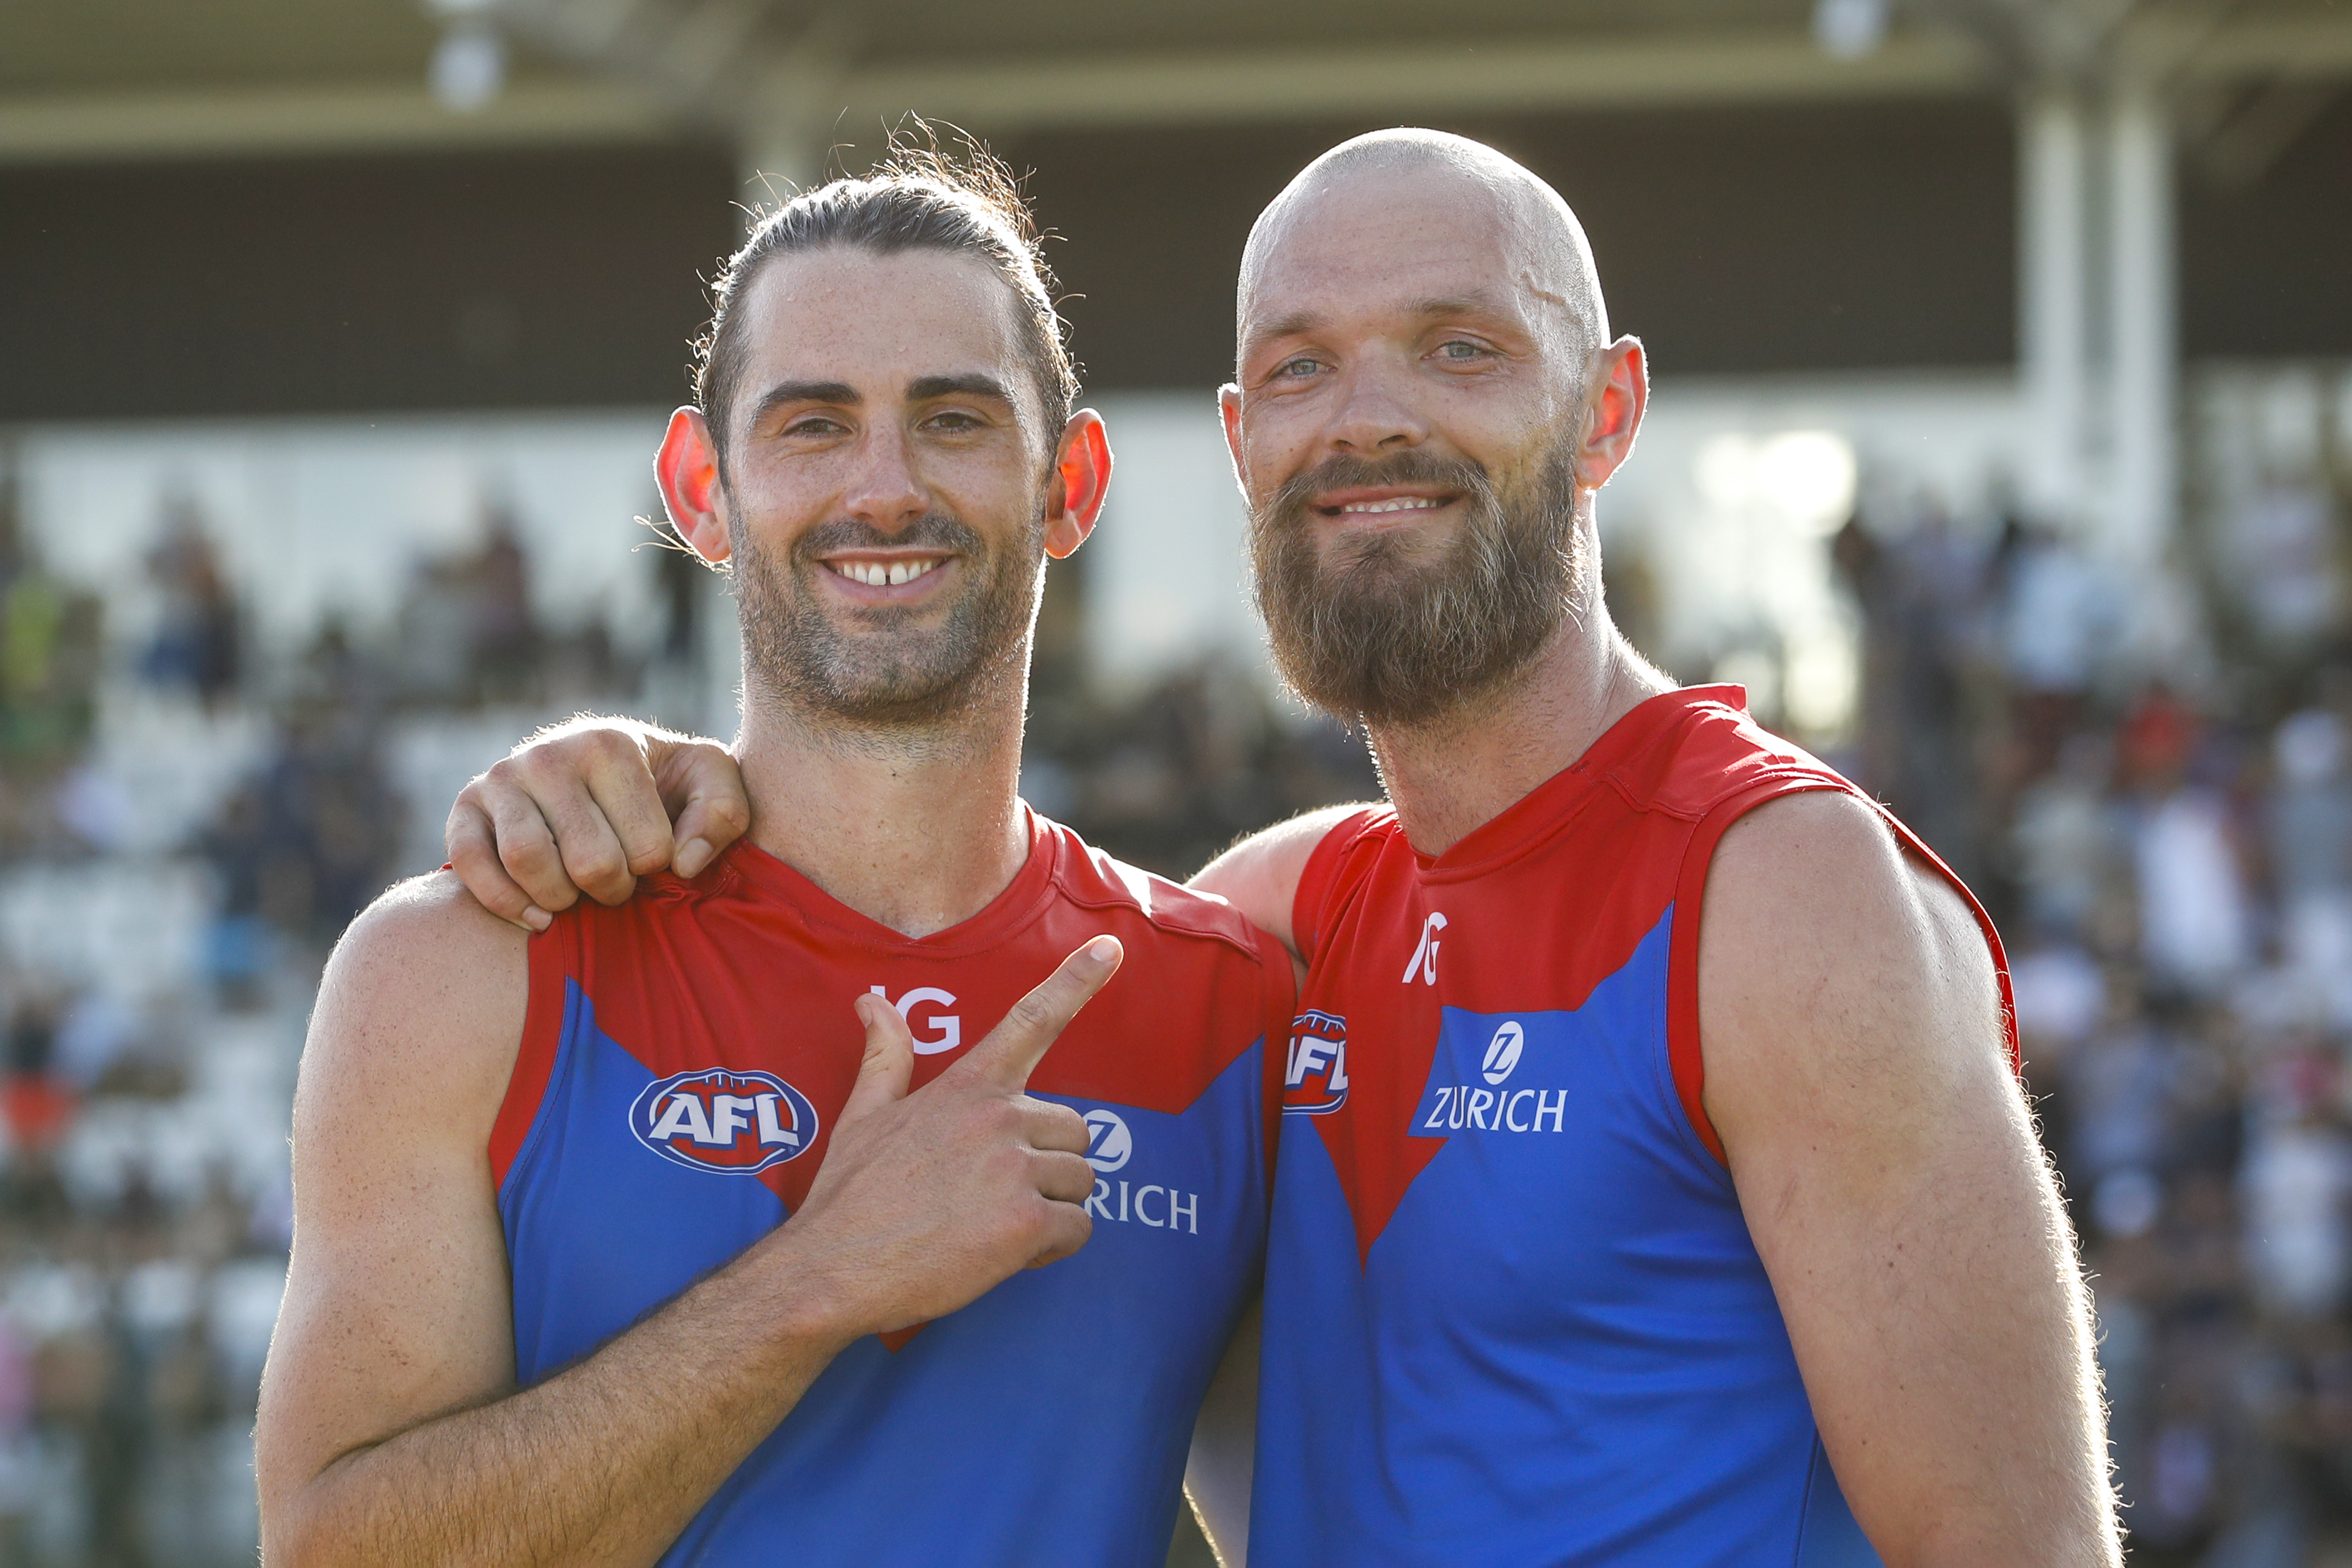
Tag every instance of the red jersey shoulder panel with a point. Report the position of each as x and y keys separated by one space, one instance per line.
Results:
x=1335 y=870
x=1093 y=879
x=698 y=968
x=1738 y=767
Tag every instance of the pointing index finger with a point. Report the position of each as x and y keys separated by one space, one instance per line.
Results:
x=1014 y=1048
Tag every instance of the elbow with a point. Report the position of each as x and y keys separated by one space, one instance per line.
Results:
x=299 y=1528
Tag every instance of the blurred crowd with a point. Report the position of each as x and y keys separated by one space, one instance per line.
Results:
x=2171 y=862
x=188 y=821
x=189 y=817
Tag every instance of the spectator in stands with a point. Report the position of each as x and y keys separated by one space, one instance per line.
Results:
x=196 y=646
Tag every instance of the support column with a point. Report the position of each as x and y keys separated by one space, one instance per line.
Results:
x=2144 y=354
x=777 y=159
x=2053 y=314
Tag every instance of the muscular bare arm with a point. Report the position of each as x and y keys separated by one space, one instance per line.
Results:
x=1886 y=1159
x=390 y=1430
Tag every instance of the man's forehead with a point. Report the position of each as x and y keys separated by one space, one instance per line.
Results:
x=846 y=305
x=1356 y=255
x=1394 y=232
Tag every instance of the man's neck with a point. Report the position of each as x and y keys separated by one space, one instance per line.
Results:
x=1449 y=776
x=917 y=831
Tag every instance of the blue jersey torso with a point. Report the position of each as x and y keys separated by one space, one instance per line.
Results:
x=1514 y=1315
x=1047 y=1422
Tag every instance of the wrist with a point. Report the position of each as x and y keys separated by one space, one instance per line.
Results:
x=808 y=1303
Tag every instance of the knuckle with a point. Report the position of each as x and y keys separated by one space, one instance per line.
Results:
x=609 y=745
x=1028 y=1015
x=601 y=864
x=526 y=854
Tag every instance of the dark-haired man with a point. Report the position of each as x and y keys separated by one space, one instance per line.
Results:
x=1654 y=1183
x=621 y=1243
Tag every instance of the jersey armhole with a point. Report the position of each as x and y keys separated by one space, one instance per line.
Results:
x=1683 y=1055
x=1317 y=880
x=543 y=1035
x=1281 y=1005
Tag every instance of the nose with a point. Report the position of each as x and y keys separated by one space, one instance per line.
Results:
x=884 y=491
x=1375 y=414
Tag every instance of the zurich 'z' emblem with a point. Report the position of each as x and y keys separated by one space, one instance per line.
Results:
x=1314 y=1082
x=714 y=1119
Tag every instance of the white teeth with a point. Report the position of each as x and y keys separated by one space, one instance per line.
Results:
x=1404 y=503
x=881 y=574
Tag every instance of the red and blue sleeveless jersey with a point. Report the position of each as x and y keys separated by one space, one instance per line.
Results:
x=683 y=1059
x=1513 y=1314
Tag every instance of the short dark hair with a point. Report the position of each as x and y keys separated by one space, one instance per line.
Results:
x=966 y=203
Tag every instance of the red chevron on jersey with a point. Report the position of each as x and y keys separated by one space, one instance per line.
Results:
x=1532 y=910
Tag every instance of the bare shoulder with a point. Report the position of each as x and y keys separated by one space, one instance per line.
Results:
x=421 y=1006
x=1831 y=963
x=1260 y=874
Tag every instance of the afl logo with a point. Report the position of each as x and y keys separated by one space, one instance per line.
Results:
x=1315 y=1078
x=1109 y=1144
x=714 y=1119
x=1503 y=1051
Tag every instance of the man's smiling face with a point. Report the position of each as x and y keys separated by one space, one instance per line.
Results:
x=884 y=484
x=1413 y=369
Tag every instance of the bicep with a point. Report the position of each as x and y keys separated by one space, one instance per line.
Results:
x=1887 y=1163
x=397 y=1305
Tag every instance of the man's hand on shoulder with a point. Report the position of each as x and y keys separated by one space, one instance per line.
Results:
x=1857 y=1072
x=587 y=806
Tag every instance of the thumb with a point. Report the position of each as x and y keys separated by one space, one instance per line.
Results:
x=701 y=783
x=889 y=1065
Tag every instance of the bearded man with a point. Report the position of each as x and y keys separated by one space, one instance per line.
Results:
x=661 y=1236
x=1656 y=1185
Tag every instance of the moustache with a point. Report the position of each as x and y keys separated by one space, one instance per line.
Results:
x=1345 y=471
x=937 y=530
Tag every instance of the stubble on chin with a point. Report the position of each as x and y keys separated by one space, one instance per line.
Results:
x=879 y=674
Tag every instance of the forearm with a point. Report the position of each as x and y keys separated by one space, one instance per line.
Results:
x=606 y=1462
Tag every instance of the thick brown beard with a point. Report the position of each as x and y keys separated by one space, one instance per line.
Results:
x=1369 y=636
x=793 y=654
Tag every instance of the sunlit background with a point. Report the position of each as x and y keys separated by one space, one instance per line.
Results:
x=2000 y=447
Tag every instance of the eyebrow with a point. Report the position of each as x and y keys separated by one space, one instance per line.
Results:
x=1476 y=302
x=788 y=392
x=923 y=388
x=1302 y=323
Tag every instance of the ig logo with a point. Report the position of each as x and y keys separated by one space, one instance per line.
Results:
x=947 y=1030
x=1503 y=1052
x=1110 y=1146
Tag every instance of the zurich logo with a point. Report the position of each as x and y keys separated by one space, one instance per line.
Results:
x=1109 y=1144
x=715 y=1119
x=1503 y=1051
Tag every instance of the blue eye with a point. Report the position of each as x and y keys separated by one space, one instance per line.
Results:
x=1461 y=348
x=1298 y=369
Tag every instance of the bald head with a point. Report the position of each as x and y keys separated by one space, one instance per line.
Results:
x=1431 y=184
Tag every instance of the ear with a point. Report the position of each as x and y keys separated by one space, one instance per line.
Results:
x=1081 y=480
x=1620 y=396
x=1229 y=409
x=687 y=468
